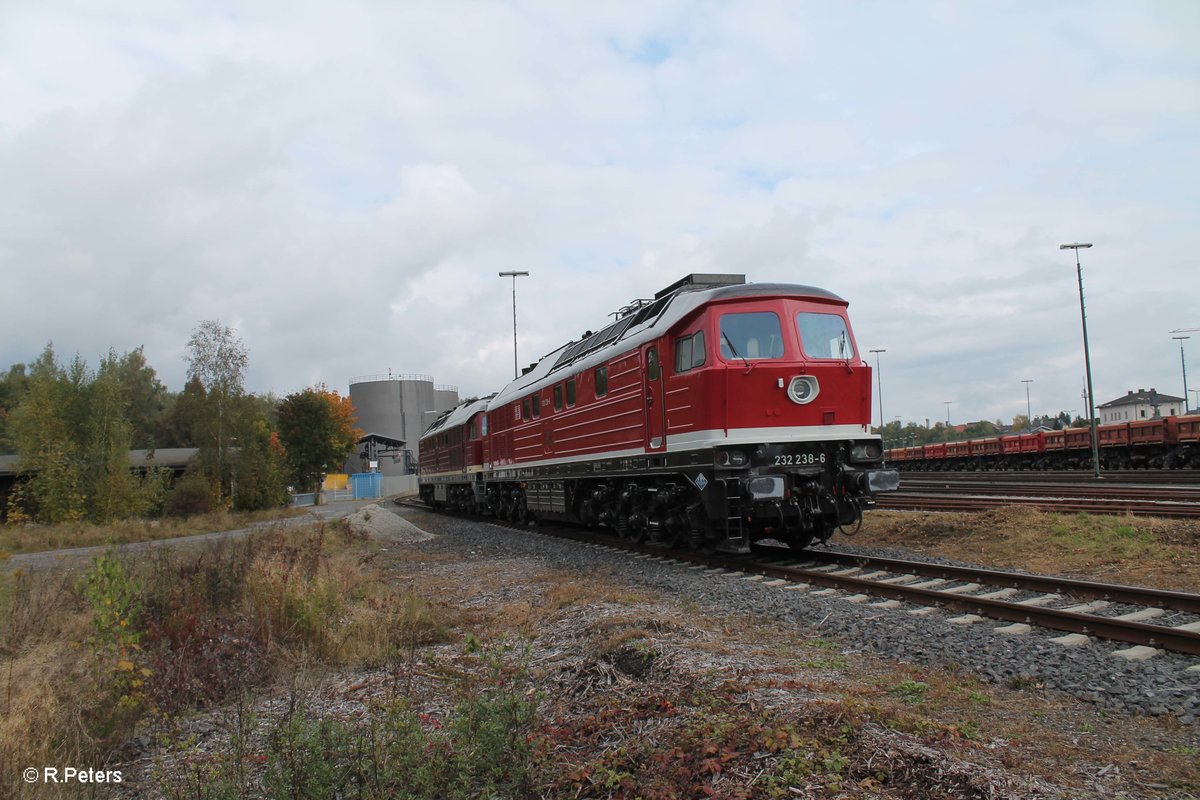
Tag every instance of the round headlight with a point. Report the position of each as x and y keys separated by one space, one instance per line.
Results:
x=866 y=451
x=803 y=389
x=731 y=458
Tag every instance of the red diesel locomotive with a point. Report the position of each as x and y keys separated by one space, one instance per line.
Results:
x=720 y=414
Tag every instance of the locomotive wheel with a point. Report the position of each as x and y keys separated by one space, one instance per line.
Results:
x=800 y=542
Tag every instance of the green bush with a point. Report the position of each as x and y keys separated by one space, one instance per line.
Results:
x=193 y=494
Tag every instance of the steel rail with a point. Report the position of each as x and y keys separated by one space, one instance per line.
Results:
x=953 y=502
x=1116 y=592
x=1173 y=477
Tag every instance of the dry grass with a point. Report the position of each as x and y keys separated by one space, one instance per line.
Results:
x=34 y=538
x=1139 y=550
x=211 y=623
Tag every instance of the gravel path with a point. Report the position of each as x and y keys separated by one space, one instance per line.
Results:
x=1168 y=684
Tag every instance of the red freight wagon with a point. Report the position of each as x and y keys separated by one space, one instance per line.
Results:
x=1187 y=428
x=1056 y=440
x=985 y=447
x=1152 y=431
x=1033 y=442
x=958 y=449
x=935 y=450
x=1010 y=445
x=1114 y=435
x=1078 y=438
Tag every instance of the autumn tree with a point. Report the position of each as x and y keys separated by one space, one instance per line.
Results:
x=48 y=454
x=13 y=387
x=72 y=439
x=317 y=429
x=259 y=466
x=217 y=358
x=144 y=396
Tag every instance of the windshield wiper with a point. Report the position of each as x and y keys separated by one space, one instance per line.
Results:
x=733 y=349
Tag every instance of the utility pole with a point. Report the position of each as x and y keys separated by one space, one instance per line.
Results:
x=1087 y=357
x=1183 y=364
x=1028 y=412
x=879 y=383
x=514 y=276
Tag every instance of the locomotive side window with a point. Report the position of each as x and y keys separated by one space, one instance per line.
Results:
x=570 y=392
x=558 y=397
x=536 y=400
x=689 y=352
x=751 y=334
x=526 y=413
x=824 y=335
x=601 y=381
x=683 y=354
x=652 y=363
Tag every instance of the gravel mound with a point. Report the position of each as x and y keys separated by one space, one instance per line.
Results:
x=381 y=523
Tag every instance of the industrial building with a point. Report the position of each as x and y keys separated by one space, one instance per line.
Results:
x=393 y=410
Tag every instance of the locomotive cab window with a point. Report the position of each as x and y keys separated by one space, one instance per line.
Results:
x=824 y=336
x=751 y=334
x=601 y=381
x=525 y=410
x=536 y=401
x=570 y=392
x=558 y=397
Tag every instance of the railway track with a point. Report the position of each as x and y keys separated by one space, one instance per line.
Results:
x=974 y=492
x=1147 y=619
x=1165 y=477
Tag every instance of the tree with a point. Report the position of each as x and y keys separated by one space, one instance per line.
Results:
x=317 y=429
x=217 y=358
x=72 y=440
x=259 y=468
x=13 y=388
x=144 y=395
x=48 y=454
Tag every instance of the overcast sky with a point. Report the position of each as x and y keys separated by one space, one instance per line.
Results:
x=341 y=182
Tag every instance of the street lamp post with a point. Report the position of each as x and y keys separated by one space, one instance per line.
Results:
x=947 y=402
x=1028 y=411
x=514 y=276
x=1183 y=364
x=1087 y=356
x=879 y=384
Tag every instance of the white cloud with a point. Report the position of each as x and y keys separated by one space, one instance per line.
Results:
x=344 y=181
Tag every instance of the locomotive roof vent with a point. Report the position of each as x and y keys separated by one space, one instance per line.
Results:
x=702 y=280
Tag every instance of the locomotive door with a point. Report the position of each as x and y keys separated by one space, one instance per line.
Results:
x=656 y=408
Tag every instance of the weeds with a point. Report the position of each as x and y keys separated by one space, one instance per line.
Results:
x=910 y=691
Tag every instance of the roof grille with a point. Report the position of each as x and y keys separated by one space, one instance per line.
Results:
x=702 y=280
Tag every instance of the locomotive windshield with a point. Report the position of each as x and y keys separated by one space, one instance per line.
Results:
x=824 y=336
x=753 y=334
